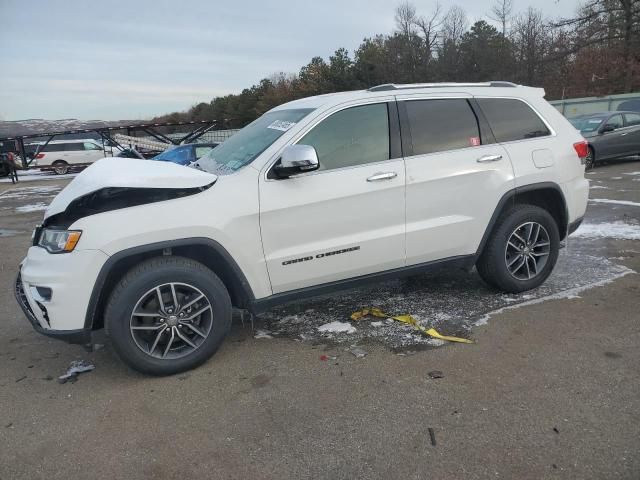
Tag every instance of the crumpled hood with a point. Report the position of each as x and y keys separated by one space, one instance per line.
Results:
x=128 y=173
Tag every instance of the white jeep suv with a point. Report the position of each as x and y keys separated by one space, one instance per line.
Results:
x=318 y=194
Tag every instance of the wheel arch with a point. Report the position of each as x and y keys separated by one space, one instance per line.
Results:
x=204 y=250
x=547 y=195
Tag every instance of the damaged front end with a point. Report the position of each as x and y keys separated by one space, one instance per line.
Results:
x=117 y=183
x=115 y=198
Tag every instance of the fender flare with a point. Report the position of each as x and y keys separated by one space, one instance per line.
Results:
x=97 y=293
x=509 y=198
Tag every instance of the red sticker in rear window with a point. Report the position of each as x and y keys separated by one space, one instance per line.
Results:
x=474 y=141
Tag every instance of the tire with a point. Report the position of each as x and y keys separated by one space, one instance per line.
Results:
x=143 y=342
x=499 y=258
x=590 y=160
x=60 y=167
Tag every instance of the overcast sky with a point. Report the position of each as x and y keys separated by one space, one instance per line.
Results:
x=113 y=59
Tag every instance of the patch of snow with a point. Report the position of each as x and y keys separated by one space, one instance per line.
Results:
x=377 y=324
x=597 y=187
x=337 y=327
x=632 y=173
x=616 y=178
x=35 y=207
x=30 y=192
x=566 y=294
x=618 y=230
x=614 y=202
x=24 y=177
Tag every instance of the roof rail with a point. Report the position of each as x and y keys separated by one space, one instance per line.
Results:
x=394 y=86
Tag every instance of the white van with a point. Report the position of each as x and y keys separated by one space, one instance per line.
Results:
x=60 y=155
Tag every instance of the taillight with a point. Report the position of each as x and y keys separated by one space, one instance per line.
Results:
x=40 y=155
x=582 y=149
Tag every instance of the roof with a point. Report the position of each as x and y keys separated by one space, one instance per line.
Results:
x=497 y=89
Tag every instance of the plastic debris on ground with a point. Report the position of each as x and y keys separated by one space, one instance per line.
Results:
x=357 y=352
x=409 y=320
x=263 y=334
x=337 y=327
x=75 y=368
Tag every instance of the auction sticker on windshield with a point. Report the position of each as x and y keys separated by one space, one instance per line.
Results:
x=281 y=125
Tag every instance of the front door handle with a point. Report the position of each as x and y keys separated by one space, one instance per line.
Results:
x=489 y=158
x=382 y=176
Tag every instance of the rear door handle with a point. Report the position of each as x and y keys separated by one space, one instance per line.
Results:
x=377 y=177
x=489 y=158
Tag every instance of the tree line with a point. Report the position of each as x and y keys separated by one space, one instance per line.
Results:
x=595 y=52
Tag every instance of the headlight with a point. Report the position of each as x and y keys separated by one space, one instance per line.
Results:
x=58 y=241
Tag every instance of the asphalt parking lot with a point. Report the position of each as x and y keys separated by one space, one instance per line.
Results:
x=549 y=389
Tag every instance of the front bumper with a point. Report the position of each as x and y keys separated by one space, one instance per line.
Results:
x=81 y=336
x=54 y=290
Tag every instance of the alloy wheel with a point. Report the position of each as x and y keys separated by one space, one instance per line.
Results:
x=527 y=251
x=171 y=320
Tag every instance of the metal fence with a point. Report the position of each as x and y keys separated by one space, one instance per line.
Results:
x=573 y=107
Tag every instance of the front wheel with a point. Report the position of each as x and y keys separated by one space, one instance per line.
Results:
x=522 y=249
x=168 y=315
x=60 y=167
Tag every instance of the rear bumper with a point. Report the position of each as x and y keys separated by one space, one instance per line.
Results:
x=81 y=336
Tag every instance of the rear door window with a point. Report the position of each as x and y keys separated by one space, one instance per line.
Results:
x=512 y=119
x=441 y=125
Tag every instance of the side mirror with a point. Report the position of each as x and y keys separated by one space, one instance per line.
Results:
x=607 y=128
x=296 y=159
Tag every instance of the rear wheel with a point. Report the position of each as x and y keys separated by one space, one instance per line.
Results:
x=60 y=167
x=168 y=315
x=522 y=250
x=590 y=159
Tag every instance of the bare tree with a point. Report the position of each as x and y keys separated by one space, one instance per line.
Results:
x=454 y=25
x=530 y=38
x=429 y=27
x=405 y=18
x=501 y=12
x=612 y=24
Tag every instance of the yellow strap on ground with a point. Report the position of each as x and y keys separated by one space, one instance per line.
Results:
x=409 y=320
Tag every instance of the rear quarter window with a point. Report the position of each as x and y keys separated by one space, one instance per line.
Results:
x=512 y=119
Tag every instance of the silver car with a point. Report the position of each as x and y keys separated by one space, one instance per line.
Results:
x=610 y=135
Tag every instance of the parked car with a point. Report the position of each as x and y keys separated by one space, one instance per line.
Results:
x=316 y=195
x=61 y=155
x=610 y=135
x=185 y=154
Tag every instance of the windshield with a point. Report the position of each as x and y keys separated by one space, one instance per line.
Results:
x=588 y=124
x=245 y=146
